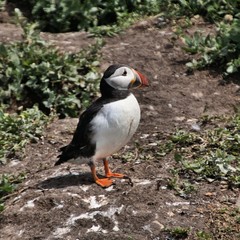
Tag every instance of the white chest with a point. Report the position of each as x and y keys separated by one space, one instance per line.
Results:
x=114 y=125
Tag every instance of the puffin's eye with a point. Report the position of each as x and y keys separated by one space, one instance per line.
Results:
x=124 y=73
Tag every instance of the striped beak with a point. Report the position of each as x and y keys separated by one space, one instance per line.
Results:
x=139 y=81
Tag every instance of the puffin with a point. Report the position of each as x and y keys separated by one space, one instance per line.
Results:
x=107 y=124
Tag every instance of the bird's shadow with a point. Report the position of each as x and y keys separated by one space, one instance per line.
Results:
x=66 y=181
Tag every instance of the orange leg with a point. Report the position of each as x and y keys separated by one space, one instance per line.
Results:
x=103 y=182
x=108 y=172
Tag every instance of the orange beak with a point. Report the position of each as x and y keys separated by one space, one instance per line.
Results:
x=143 y=79
x=139 y=81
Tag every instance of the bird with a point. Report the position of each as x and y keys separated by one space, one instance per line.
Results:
x=108 y=123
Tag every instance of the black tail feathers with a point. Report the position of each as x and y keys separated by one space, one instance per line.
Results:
x=64 y=156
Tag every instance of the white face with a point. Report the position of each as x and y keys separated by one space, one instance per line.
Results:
x=121 y=78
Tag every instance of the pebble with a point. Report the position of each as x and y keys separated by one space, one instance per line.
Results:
x=195 y=127
x=156 y=227
x=179 y=119
x=150 y=107
x=197 y=95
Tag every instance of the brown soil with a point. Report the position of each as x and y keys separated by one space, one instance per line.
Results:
x=63 y=202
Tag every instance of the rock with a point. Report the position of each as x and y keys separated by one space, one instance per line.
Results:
x=156 y=227
x=197 y=95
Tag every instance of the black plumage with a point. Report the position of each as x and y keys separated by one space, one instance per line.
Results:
x=108 y=124
x=81 y=145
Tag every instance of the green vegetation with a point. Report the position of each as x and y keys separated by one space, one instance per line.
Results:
x=210 y=10
x=183 y=188
x=18 y=129
x=202 y=235
x=8 y=184
x=208 y=155
x=72 y=15
x=178 y=233
x=219 y=49
x=34 y=72
x=2 y=4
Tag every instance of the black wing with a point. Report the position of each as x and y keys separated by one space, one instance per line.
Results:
x=81 y=144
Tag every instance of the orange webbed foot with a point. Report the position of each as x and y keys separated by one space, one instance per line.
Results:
x=104 y=182
x=115 y=175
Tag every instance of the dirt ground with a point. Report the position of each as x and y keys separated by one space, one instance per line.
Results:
x=63 y=202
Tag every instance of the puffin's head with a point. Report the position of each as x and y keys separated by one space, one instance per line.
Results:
x=122 y=77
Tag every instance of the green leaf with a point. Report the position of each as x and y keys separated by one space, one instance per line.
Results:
x=178 y=157
x=230 y=69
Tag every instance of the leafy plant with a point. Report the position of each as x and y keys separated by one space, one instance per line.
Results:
x=16 y=130
x=179 y=233
x=216 y=165
x=124 y=21
x=202 y=235
x=72 y=15
x=212 y=154
x=8 y=184
x=33 y=71
x=2 y=4
x=210 y=10
x=182 y=137
x=183 y=188
x=222 y=50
